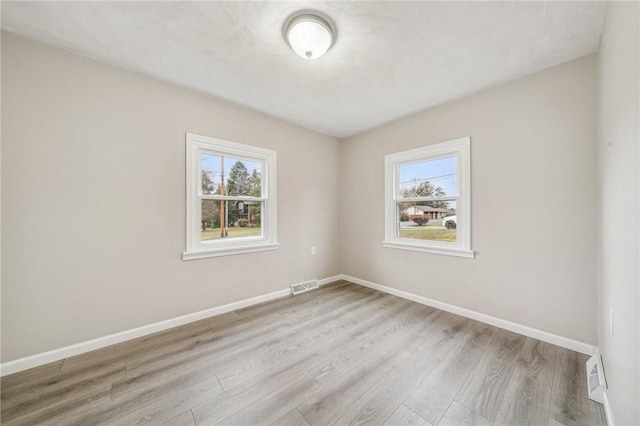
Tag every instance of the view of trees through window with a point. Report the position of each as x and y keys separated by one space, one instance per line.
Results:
x=430 y=188
x=239 y=181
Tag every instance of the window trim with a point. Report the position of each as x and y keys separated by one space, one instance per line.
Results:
x=195 y=249
x=461 y=149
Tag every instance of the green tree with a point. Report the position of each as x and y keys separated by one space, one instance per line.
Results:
x=255 y=210
x=255 y=183
x=239 y=182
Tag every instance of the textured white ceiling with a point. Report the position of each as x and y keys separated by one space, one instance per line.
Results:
x=390 y=59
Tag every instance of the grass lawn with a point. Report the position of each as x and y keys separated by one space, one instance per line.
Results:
x=429 y=233
x=214 y=233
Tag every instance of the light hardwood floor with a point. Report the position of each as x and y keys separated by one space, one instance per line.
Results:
x=341 y=355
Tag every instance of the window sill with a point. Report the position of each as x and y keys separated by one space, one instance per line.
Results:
x=457 y=252
x=228 y=251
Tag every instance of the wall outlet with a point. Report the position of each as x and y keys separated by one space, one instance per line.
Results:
x=313 y=250
x=611 y=320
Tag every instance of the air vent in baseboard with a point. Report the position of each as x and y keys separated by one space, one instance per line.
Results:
x=596 y=383
x=305 y=286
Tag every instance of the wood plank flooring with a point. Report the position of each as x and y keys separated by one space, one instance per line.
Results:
x=340 y=355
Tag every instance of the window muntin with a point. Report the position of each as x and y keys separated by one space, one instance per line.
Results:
x=230 y=198
x=427 y=198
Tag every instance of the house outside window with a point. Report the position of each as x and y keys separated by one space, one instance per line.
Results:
x=231 y=198
x=427 y=197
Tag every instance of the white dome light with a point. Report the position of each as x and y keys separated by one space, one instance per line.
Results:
x=309 y=35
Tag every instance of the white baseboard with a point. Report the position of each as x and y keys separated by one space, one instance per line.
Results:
x=329 y=280
x=607 y=411
x=100 y=342
x=91 y=345
x=564 y=342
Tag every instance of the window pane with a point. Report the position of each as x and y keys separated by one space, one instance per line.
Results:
x=239 y=219
x=433 y=178
x=230 y=176
x=432 y=220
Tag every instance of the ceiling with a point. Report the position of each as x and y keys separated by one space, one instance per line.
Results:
x=391 y=58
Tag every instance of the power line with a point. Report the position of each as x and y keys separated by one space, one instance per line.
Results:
x=427 y=179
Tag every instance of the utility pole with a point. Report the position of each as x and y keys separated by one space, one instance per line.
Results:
x=223 y=210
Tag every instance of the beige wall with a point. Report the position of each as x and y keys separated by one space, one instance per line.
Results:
x=619 y=188
x=93 y=202
x=93 y=187
x=533 y=168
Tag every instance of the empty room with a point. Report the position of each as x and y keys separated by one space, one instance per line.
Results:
x=320 y=213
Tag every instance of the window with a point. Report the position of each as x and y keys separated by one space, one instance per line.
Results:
x=231 y=198
x=427 y=199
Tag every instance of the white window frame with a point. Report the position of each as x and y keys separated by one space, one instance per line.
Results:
x=196 y=145
x=460 y=148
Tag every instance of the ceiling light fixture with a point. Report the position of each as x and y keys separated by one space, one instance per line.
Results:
x=309 y=34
